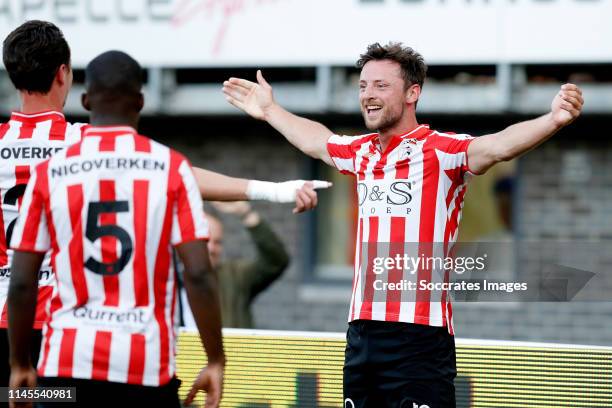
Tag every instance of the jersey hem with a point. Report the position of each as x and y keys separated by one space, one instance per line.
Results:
x=32 y=250
x=422 y=320
x=184 y=241
x=38 y=325
x=77 y=377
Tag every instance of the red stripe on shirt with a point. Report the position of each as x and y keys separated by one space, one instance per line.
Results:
x=107 y=143
x=368 y=291
x=172 y=315
x=141 y=277
x=32 y=221
x=142 y=144
x=162 y=269
x=101 y=355
x=443 y=301
x=356 y=275
x=427 y=225
x=108 y=245
x=347 y=151
x=452 y=224
x=58 y=130
x=42 y=365
x=3 y=243
x=22 y=175
x=397 y=247
x=395 y=275
x=75 y=204
x=66 y=353
x=56 y=303
x=3 y=129
x=452 y=145
x=74 y=150
x=137 y=359
x=451 y=328
x=364 y=164
x=45 y=293
x=185 y=216
x=379 y=168
x=26 y=130
x=340 y=151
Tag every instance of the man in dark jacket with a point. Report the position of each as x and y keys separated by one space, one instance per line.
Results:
x=241 y=280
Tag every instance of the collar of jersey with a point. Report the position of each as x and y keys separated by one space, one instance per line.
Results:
x=37 y=116
x=91 y=130
x=418 y=133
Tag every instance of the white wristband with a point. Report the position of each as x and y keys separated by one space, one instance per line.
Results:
x=276 y=192
x=279 y=192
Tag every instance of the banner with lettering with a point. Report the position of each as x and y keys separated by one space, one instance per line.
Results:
x=202 y=33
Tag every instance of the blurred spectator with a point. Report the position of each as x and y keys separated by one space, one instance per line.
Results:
x=240 y=281
x=503 y=190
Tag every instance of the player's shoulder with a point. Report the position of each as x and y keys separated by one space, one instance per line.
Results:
x=444 y=135
x=75 y=131
x=160 y=150
x=355 y=139
x=77 y=126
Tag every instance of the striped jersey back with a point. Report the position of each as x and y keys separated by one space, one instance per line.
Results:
x=110 y=209
x=25 y=141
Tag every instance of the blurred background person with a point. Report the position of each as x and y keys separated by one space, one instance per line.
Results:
x=241 y=280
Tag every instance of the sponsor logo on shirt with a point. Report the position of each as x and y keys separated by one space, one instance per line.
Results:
x=384 y=197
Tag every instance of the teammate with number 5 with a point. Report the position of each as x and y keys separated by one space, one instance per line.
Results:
x=37 y=59
x=110 y=208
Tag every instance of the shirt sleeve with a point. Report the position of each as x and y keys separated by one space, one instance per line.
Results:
x=453 y=155
x=343 y=151
x=189 y=222
x=31 y=231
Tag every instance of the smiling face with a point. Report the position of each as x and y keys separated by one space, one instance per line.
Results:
x=385 y=101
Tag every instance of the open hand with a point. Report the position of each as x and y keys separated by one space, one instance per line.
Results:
x=210 y=380
x=253 y=98
x=22 y=378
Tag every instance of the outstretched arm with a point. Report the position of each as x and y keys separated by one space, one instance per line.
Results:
x=257 y=100
x=485 y=151
x=218 y=187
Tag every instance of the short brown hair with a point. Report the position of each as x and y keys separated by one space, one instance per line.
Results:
x=411 y=62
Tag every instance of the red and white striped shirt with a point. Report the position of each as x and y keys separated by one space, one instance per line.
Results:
x=410 y=200
x=25 y=141
x=110 y=209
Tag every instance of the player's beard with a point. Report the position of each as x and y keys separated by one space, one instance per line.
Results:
x=387 y=120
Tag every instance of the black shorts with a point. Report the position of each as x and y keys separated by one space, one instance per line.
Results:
x=5 y=368
x=90 y=393
x=399 y=365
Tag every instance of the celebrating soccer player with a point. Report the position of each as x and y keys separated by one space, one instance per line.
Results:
x=401 y=350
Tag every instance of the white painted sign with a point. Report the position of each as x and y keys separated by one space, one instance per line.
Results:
x=200 y=33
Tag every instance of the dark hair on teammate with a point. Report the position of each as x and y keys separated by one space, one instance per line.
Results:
x=412 y=63
x=33 y=53
x=113 y=74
